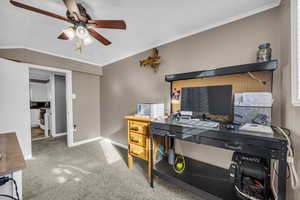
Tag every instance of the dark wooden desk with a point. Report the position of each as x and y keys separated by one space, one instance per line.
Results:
x=267 y=146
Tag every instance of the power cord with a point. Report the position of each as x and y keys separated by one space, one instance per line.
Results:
x=290 y=160
x=3 y=181
x=244 y=194
x=10 y=197
x=273 y=181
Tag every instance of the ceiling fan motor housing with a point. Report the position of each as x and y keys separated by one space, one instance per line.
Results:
x=82 y=12
x=80 y=23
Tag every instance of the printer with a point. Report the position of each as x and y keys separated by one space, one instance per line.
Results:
x=152 y=110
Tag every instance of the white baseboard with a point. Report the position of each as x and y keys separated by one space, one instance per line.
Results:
x=59 y=135
x=28 y=157
x=85 y=141
x=119 y=144
x=42 y=138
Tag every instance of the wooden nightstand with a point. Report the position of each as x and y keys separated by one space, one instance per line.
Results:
x=138 y=140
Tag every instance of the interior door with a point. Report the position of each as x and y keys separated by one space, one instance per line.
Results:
x=60 y=105
x=86 y=106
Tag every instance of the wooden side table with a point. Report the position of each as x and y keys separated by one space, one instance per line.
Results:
x=138 y=140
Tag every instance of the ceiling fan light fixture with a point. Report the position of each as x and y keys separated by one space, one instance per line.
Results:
x=82 y=33
x=70 y=33
x=87 y=41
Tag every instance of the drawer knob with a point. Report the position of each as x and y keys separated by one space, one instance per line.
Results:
x=135 y=128
x=136 y=152
x=135 y=140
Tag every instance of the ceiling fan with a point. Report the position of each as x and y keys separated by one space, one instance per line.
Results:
x=83 y=27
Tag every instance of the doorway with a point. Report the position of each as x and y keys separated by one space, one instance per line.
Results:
x=50 y=103
x=40 y=103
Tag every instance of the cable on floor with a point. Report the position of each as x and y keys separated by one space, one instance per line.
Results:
x=8 y=196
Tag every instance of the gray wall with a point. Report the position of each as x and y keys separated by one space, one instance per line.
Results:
x=290 y=114
x=60 y=104
x=126 y=84
x=86 y=106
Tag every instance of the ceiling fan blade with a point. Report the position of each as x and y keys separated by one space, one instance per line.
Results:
x=73 y=9
x=43 y=12
x=112 y=24
x=99 y=37
x=63 y=36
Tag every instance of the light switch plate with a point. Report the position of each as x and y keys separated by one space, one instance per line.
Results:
x=73 y=96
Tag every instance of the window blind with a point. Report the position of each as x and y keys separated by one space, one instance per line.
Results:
x=297 y=50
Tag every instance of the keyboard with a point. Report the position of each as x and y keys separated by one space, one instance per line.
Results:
x=197 y=122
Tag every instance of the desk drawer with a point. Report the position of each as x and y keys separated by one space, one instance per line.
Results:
x=239 y=146
x=138 y=127
x=137 y=151
x=137 y=139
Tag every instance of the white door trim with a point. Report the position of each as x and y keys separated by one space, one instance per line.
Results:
x=52 y=103
x=69 y=95
x=59 y=134
x=69 y=102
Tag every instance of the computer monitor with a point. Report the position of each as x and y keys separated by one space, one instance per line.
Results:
x=213 y=100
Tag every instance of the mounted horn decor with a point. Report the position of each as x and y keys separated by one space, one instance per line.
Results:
x=152 y=61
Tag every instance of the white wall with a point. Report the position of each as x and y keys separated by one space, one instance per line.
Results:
x=14 y=102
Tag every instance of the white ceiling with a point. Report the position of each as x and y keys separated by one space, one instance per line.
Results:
x=149 y=24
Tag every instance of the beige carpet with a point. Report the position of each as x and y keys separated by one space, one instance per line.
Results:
x=95 y=171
